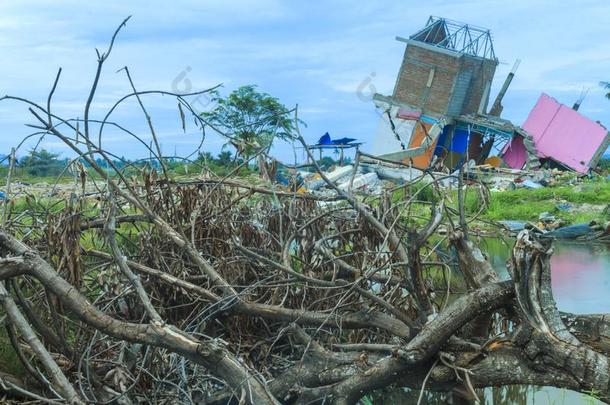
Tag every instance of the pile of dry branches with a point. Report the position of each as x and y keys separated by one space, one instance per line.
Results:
x=213 y=291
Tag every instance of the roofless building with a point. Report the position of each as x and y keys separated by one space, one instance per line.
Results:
x=438 y=110
x=444 y=82
x=447 y=69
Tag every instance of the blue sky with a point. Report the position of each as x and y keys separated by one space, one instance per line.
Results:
x=327 y=56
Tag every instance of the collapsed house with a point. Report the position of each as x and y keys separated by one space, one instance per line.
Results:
x=437 y=114
x=560 y=134
x=438 y=118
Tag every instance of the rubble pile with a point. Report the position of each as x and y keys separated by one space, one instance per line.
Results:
x=502 y=179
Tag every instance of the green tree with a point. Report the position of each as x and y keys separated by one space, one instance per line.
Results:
x=606 y=86
x=251 y=119
x=42 y=163
x=205 y=157
x=225 y=158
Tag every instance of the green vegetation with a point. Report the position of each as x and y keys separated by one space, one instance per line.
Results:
x=251 y=119
x=583 y=202
x=42 y=163
x=37 y=166
x=587 y=202
x=575 y=204
x=221 y=165
x=44 y=167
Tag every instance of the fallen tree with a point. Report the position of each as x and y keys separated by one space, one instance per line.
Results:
x=215 y=291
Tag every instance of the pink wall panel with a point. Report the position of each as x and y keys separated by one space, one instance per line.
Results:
x=514 y=154
x=563 y=134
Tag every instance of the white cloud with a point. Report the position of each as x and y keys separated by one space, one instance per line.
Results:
x=316 y=54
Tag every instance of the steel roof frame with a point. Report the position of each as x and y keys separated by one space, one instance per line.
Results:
x=459 y=37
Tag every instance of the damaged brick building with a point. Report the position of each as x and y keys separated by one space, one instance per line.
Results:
x=447 y=69
x=439 y=114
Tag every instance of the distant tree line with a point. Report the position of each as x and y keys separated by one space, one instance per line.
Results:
x=43 y=163
x=37 y=163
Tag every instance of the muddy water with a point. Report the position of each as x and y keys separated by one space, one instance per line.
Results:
x=581 y=284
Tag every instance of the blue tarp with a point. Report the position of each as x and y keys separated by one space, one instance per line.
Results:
x=440 y=144
x=325 y=140
x=570 y=232
x=453 y=143
x=343 y=141
x=452 y=140
x=459 y=142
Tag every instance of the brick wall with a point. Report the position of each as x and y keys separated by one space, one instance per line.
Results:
x=483 y=73
x=411 y=83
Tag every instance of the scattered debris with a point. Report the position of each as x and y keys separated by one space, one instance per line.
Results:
x=315 y=181
x=395 y=174
x=435 y=125
x=513 y=226
x=531 y=184
x=570 y=232
x=367 y=181
x=579 y=232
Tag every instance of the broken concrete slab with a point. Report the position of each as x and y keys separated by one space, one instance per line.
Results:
x=368 y=181
x=316 y=181
x=400 y=175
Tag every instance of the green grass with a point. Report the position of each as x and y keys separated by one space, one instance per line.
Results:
x=592 y=192
x=521 y=204
x=527 y=204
